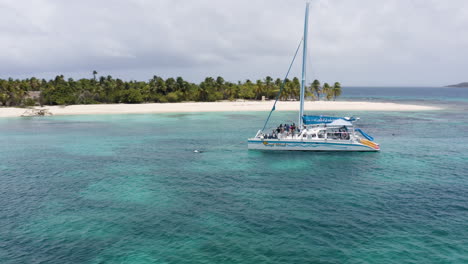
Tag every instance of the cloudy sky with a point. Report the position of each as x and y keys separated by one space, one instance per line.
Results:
x=356 y=42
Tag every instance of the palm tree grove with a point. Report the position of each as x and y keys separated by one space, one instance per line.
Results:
x=106 y=90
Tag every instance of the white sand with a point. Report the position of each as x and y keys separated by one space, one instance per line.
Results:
x=217 y=107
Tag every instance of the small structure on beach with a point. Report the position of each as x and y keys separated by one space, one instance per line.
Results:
x=36 y=112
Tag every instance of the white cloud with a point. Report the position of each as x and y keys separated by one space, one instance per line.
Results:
x=392 y=42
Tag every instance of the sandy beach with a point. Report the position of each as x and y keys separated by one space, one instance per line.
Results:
x=216 y=107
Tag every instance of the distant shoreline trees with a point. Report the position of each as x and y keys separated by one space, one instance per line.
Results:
x=106 y=89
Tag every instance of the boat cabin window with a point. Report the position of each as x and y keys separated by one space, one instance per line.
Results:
x=338 y=133
x=321 y=134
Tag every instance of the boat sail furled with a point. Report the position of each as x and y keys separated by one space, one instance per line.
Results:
x=312 y=133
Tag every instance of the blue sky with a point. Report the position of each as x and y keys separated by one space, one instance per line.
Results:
x=356 y=42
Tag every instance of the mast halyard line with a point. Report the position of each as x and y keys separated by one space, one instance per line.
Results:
x=282 y=85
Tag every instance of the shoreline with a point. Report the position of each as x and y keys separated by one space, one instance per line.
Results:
x=236 y=106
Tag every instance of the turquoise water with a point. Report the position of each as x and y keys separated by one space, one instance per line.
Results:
x=129 y=189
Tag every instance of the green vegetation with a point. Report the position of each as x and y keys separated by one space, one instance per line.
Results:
x=102 y=89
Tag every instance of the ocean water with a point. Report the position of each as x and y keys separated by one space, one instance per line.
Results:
x=130 y=189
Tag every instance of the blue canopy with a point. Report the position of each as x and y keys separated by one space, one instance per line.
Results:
x=310 y=120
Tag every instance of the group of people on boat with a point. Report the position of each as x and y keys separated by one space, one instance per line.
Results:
x=342 y=133
x=287 y=130
x=284 y=130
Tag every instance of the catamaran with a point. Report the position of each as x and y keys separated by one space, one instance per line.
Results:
x=312 y=132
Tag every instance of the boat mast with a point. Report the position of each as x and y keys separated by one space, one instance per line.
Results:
x=304 y=58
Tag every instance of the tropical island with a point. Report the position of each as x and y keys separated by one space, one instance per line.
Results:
x=107 y=95
x=460 y=85
x=108 y=90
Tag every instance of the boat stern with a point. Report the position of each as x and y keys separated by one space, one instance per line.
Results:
x=374 y=146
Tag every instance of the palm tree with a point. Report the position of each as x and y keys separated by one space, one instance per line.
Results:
x=259 y=89
x=268 y=86
x=316 y=88
x=206 y=88
x=34 y=84
x=286 y=89
x=94 y=74
x=3 y=98
x=158 y=86
x=232 y=91
x=336 y=90
x=277 y=86
x=295 y=88
x=327 y=90
x=247 y=90
x=182 y=86
x=221 y=86
x=309 y=92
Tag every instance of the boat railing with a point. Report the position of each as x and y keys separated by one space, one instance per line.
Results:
x=309 y=134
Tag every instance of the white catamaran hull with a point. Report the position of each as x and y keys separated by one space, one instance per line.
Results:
x=309 y=145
